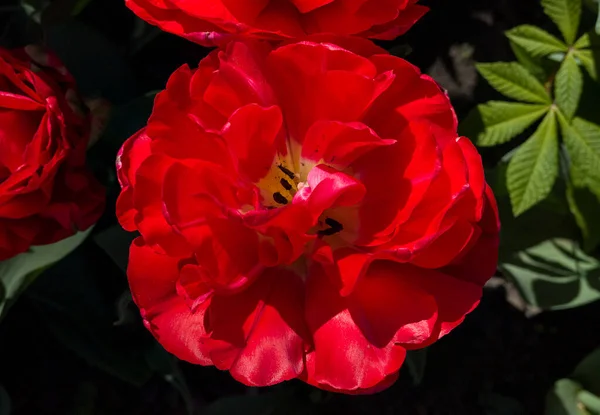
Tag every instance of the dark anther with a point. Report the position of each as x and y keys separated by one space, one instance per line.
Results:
x=334 y=227
x=286 y=185
x=286 y=171
x=278 y=197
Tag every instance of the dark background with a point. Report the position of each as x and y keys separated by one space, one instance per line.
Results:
x=74 y=343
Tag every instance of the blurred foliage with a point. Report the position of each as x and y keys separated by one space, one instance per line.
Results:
x=579 y=394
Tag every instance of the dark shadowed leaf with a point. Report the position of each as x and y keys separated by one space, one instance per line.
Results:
x=126 y=119
x=93 y=60
x=554 y=274
x=73 y=303
x=115 y=241
x=587 y=372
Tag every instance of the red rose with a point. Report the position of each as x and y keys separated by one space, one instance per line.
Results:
x=209 y=22
x=306 y=212
x=46 y=192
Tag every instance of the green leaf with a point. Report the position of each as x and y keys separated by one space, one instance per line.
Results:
x=538 y=67
x=535 y=41
x=587 y=372
x=589 y=401
x=505 y=120
x=597 y=26
x=568 y=86
x=19 y=271
x=582 y=140
x=588 y=61
x=514 y=81
x=585 y=206
x=534 y=167
x=583 y=42
x=562 y=399
x=566 y=14
x=554 y=274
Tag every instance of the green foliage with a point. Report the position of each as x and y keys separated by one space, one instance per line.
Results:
x=562 y=399
x=554 y=274
x=568 y=86
x=535 y=41
x=514 y=81
x=579 y=394
x=549 y=78
x=582 y=140
x=18 y=272
x=505 y=120
x=583 y=205
x=566 y=14
x=587 y=372
x=534 y=167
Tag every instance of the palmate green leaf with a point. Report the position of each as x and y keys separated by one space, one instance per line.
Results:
x=514 y=81
x=533 y=169
x=582 y=140
x=568 y=86
x=505 y=120
x=554 y=274
x=536 y=41
x=566 y=14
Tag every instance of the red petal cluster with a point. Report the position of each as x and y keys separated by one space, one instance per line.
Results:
x=210 y=22
x=307 y=211
x=46 y=192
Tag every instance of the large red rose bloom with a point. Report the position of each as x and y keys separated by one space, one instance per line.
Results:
x=306 y=212
x=46 y=192
x=210 y=22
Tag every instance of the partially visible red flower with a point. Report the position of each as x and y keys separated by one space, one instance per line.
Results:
x=306 y=211
x=210 y=22
x=46 y=191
